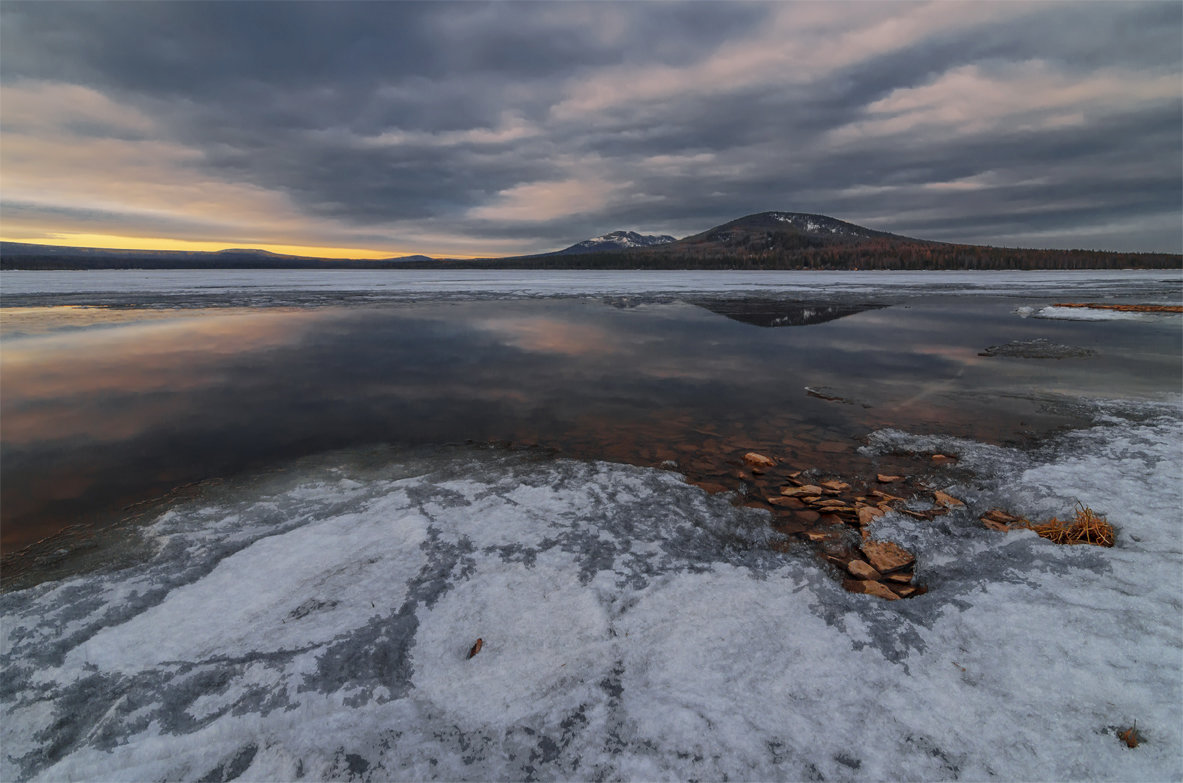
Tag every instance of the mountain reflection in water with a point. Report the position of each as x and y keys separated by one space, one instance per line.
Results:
x=779 y=312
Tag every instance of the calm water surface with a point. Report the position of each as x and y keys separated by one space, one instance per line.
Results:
x=109 y=398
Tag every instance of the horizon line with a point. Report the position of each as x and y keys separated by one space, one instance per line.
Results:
x=164 y=244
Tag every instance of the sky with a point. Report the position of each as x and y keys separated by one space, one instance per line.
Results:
x=487 y=129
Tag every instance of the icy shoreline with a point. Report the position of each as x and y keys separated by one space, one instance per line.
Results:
x=315 y=624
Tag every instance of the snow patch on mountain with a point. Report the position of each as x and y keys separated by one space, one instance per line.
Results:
x=821 y=224
x=619 y=240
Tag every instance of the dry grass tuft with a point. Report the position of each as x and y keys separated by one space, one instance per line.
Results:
x=1131 y=736
x=1086 y=527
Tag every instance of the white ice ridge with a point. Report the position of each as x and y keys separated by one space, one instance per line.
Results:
x=1092 y=314
x=315 y=624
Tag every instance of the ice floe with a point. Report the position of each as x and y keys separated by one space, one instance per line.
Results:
x=315 y=623
x=1055 y=312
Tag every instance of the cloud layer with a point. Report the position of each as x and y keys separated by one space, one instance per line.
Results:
x=491 y=129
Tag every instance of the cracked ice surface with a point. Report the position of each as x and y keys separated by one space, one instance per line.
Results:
x=314 y=623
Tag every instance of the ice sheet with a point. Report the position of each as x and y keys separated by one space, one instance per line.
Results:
x=293 y=287
x=1092 y=314
x=315 y=624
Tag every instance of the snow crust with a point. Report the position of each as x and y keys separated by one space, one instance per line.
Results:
x=315 y=623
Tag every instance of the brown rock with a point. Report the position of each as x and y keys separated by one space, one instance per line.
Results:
x=925 y=515
x=875 y=493
x=837 y=486
x=710 y=486
x=785 y=502
x=887 y=556
x=885 y=479
x=900 y=576
x=807 y=489
x=945 y=499
x=870 y=587
x=830 y=519
x=476 y=647
x=941 y=459
x=867 y=514
x=816 y=535
x=758 y=460
x=805 y=515
x=861 y=569
x=906 y=591
x=829 y=502
x=794 y=474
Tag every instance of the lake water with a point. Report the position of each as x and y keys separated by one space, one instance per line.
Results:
x=169 y=437
x=118 y=389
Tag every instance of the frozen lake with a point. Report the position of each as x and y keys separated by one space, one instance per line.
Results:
x=406 y=462
x=296 y=286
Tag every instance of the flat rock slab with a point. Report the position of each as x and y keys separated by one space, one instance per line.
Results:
x=806 y=489
x=862 y=570
x=870 y=587
x=886 y=556
x=945 y=499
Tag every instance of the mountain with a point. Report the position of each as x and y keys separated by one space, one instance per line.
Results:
x=786 y=231
x=23 y=255
x=617 y=240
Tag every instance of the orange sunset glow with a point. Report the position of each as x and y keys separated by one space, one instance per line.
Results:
x=115 y=242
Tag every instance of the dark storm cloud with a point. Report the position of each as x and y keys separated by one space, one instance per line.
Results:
x=535 y=125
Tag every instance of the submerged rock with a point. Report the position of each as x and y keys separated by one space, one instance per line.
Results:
x=1038 y=348
x=758 y=460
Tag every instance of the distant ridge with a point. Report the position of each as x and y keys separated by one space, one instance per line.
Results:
x=24 y=255
x=765 y=240
x=619 y=240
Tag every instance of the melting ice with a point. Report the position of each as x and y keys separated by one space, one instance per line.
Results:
x=315 y=623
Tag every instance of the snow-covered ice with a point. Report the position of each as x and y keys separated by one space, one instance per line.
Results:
x=314 y=623
x=1091 y=314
